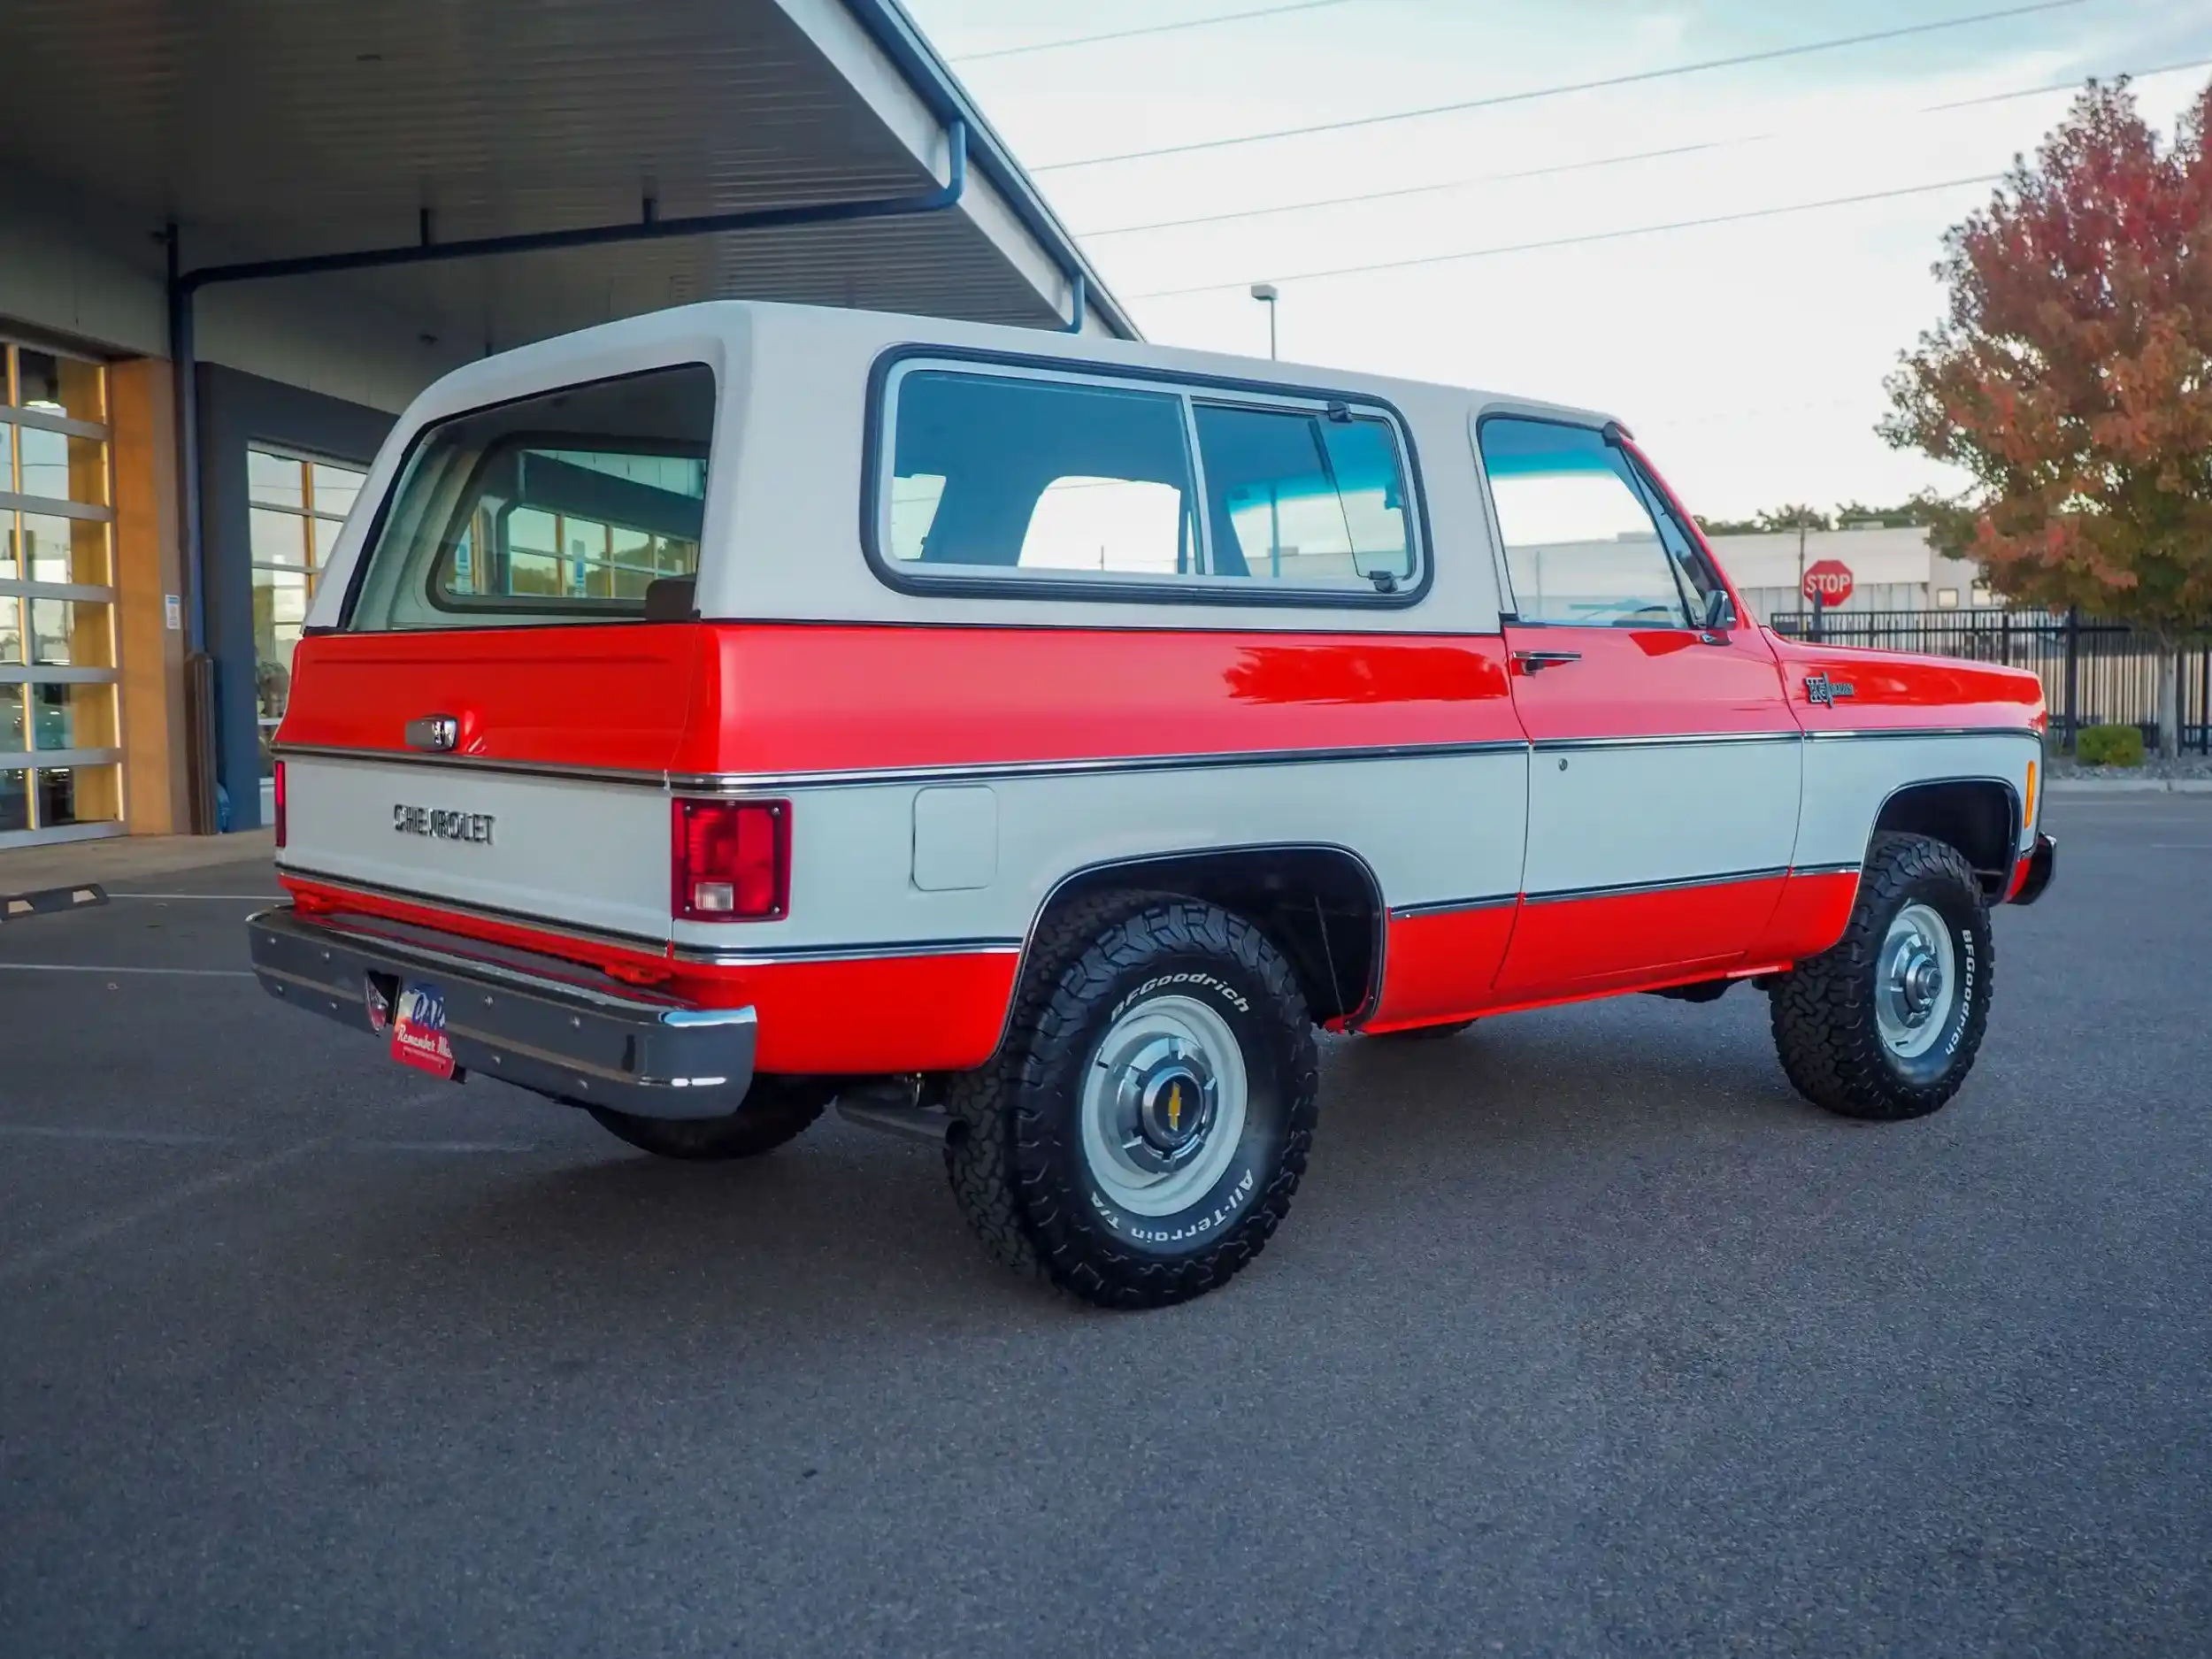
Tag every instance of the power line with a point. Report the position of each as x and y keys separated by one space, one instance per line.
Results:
x=1424 y=189
x=1155 y=28
x=2066 y=85
x=1535 y=93
x=1594 y=163
x=1590 y=236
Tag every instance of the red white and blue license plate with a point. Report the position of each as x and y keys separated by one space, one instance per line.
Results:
x=419 y=1030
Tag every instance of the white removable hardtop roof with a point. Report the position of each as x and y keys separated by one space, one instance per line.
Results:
x=782 y=534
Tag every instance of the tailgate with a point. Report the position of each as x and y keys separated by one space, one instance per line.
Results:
x=552 y=804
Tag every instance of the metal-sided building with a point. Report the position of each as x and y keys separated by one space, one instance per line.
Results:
x=235 y=241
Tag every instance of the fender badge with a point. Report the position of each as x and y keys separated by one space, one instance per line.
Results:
x=1822 y=690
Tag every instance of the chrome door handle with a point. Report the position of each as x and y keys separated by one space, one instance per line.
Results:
x=1536 y=661
x=434 y=733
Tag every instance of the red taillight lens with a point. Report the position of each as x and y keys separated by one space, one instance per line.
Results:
x=732 y=861
x=277 y=791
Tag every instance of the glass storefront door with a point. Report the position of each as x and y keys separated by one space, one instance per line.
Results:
x=60 y=735
x=297 y=506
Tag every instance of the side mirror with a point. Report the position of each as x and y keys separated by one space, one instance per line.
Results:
x=1718 y=612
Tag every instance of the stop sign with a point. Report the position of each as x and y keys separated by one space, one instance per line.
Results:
x=1828 y=581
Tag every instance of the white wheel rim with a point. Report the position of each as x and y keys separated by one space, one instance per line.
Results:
x=1915 y=982
x=1165 y=1099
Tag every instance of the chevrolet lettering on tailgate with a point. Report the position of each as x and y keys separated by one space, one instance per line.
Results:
x=440 y=825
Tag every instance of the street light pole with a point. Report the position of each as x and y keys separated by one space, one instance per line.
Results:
x=1267 y=295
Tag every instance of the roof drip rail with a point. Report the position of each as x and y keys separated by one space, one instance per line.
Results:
x=184 y=286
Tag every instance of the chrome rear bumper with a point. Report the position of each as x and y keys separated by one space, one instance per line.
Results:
x=652 y=1058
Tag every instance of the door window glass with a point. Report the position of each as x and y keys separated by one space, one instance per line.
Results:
x=1581 y=544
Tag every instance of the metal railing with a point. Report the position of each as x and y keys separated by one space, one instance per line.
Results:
x=2093 y=674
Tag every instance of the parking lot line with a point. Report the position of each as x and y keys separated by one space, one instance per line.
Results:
x=83 y=967
x=251 y=898
x=72 y=1244
x=121 y=1137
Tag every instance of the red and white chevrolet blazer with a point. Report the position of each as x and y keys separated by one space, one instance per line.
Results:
x=1028 y=739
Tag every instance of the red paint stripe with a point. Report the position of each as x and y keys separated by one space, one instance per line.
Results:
x=746 y=697
x=1564 y=946
x=1440 y=967
x=1810 y=915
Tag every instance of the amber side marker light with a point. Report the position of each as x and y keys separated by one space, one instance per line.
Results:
x=731 y=861
x=2034 y=801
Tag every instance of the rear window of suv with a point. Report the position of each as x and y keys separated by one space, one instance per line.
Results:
x=572 y=506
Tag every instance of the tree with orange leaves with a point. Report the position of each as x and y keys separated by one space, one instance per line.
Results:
x=2072 y=378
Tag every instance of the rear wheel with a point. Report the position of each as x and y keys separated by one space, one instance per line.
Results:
x=1138 y=1136
x=1886 y=1023
x=775 y=1109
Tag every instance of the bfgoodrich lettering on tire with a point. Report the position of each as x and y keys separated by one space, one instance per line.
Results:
x=1886 y=1023
x=1141 y=1134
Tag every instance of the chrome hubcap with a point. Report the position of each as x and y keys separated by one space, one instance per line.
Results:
x=1915 y=981
x=1163 y=1105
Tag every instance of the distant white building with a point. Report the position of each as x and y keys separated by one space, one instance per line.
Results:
x=1891 y=570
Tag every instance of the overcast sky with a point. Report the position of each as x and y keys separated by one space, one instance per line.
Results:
x=1748 y=357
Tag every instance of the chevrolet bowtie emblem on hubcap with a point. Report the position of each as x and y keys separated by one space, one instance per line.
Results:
x=1821 y=689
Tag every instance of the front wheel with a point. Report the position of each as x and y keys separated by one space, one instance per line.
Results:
x=775 y=1109
x=1140 y=1135
x=1886 y=1022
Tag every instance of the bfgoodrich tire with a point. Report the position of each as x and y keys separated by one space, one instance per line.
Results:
x=1886 y=1023
x=1140 y=1135
x=775 y=1109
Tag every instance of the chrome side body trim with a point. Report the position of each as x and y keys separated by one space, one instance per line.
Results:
x=1445 y=907
x=877 y=950
x=1865 y=733
x=727 y=783
x=1671 y=740
x=472 y=762
x=998 y=770
x=1720 y=879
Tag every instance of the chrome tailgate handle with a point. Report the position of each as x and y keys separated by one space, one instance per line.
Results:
x=1536 y=662
x=434 y=733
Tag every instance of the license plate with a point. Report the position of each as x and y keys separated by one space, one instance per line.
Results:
x=419 y=1030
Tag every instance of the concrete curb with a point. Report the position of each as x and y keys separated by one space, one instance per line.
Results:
x=51 y=901
x=2128 y=786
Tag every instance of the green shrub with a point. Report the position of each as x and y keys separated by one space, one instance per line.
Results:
x=2110 y=746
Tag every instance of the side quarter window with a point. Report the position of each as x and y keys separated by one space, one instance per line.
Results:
x=1087 y=484
x=1582 y=545
x=1002 y=474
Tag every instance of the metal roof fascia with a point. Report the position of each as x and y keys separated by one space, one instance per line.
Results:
x=887 y=23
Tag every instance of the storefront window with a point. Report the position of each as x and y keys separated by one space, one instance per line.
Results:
x=298 y=506
x=58 y=680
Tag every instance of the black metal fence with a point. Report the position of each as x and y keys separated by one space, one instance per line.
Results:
x=2093 y=674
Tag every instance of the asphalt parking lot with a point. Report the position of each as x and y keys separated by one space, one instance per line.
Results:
x=1586 y=1335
